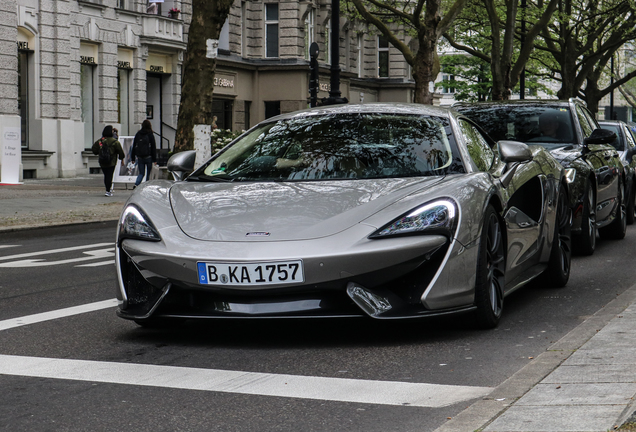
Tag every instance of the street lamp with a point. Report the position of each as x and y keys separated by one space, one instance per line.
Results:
x=335 y=97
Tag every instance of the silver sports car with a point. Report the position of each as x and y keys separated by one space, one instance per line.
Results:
x=379 y=210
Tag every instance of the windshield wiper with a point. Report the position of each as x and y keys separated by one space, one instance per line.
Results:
x=216 y=178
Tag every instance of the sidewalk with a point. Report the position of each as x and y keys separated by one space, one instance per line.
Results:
x=50 y=202
x=585 y=382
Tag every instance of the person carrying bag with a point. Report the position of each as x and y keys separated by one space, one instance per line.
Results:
x=108 y=150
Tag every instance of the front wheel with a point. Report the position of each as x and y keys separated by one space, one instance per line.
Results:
x=617 y=229
x=585 y=242
x=491 y=267
x=558 y=271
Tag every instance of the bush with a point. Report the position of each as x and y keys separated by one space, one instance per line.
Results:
x=222 y=137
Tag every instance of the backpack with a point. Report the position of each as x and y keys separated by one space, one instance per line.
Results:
x=143 y=146
x=105 y=156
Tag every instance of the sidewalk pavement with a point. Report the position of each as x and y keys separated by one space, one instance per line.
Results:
x=585 y=382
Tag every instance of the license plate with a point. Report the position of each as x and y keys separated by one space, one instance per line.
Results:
x=263 y=273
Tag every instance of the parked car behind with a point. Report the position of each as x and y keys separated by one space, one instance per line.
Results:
x=378 y=210
x=596 y=175
x=625 y=144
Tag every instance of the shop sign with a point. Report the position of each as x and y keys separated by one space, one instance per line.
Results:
x=158 y=69
x=224 y=82
x=325 y=87
x=123 y=64
x=23 y=46
x=87 y=60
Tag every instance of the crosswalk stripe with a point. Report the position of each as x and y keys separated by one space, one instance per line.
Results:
x=250 y=383
x=60 y=313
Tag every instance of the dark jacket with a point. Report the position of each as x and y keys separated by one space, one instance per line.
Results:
x=115 y=149
x=153 y=144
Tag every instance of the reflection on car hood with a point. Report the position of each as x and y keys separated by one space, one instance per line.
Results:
x=283 y=211
x=565 y=155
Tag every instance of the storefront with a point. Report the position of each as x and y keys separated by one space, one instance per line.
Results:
x=26 y=44
x=88 y=90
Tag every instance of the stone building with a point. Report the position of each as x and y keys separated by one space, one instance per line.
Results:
x=70 y=67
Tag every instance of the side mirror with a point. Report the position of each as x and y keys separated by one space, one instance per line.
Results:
x=513 y=153
x=181 y=164
x=600 y=136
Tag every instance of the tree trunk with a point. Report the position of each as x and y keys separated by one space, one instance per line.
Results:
x=425 y=70
x=195 y=108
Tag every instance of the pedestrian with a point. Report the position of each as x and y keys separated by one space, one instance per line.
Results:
x=115 y=133
x=144 y=150
x=108 y=149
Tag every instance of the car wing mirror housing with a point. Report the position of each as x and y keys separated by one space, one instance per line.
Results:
x=513 y=153
x=600 y=136
x=182 y=163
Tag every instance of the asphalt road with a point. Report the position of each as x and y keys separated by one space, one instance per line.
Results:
x=130 y=378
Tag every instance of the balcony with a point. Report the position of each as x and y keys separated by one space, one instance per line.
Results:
x=162 y=31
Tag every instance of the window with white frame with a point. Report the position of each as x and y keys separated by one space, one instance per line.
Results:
x=360 y=53
x=328 y=42
x=224 y=37
x=271 y=30
x=448 y=81
x=383 y=57
x=309 y=31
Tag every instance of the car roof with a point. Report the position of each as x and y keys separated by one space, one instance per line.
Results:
x=520 y=102
x=369 y=108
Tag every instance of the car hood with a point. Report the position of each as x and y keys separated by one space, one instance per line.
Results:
x=565 y=155
x=283 y=211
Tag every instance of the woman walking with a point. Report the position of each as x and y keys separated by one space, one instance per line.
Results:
x=108 y=149
x=144 y=149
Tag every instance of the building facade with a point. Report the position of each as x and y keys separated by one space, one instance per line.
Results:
x=70 y=67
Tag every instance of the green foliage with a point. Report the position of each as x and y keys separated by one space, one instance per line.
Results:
x=472 y=81
x=222 y=137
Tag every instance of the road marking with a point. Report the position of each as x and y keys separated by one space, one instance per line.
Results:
x=60 y=313
x=53 y=251
x=250 y=383
x=8 y=246
x=97 y=264
x=92 y=255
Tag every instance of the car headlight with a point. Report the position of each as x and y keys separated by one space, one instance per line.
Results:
x=436 y=217
x=136 y=225
x=570 y=175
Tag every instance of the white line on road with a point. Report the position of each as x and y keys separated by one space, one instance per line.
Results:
x=97 y=264
x=52 y=251
x=8 y=246
x=251 y=383
x=60 y=313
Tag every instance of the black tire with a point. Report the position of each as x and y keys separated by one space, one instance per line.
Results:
x=617 y=229
x=585 y=242
x=558 y=271
x=491 y=267
x=631 y=208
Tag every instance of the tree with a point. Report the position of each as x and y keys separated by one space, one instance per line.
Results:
x=420 y=19
x=493 y=28
x=581 y=41
x=195 y=108
x=471 y=77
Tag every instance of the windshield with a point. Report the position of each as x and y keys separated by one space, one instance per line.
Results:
x=338 y=146
x=550 y=126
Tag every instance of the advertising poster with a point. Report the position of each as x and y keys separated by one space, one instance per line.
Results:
x=11 y=155
x=128 y=172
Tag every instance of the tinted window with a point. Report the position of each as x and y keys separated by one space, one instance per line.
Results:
x=585 y=123
x=616 y=129
x=479 y=150
x=631 y=141
x=339 y=146
x=541 y=124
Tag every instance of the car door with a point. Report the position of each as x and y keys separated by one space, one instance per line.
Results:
x=523 y=213
x=605 y=162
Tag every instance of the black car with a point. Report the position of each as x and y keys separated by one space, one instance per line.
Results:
x=625 y=144
x=597 y=177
